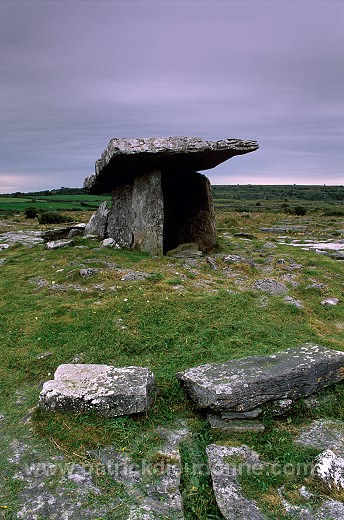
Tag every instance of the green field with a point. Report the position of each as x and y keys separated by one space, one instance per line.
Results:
x=177 y=317
x=226 y=198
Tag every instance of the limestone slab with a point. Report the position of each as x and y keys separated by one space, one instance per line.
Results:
x=225 y=464
x=243 y=384
x=125 y=158
x=106 y=390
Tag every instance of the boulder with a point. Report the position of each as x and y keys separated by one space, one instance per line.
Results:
x=243 y=384
x=225 y=465
x=106 y=390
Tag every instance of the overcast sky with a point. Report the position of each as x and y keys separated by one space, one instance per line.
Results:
x=74 y=74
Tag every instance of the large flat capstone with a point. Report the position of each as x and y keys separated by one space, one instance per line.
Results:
x=123 y=159
x=243 y=384
x=106 y=390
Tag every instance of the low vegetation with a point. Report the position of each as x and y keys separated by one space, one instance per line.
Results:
x=181 y=315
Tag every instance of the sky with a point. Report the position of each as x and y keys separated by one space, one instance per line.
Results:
x=76 y=73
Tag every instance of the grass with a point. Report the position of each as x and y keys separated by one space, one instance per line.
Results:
x=150 y=323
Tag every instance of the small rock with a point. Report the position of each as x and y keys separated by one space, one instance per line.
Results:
x=89 y=271
x=329 y=468
x=317 y=285
x=212 y=262
x=251 y=414
x=99 y=287
x=4 y=246
x=292 y=301
x=40 y=282
x=231 y=259
x=110 y=242
x=248 y=236
x=271 y=286
x=134 y=276
x=330 y=301
x=44 y=355
x=280 y=407
x=234 y=425
x=337 y=255
x=57 y=244
x=78 y=358
x=3 y=261
x=269 y=245
x=189 y=250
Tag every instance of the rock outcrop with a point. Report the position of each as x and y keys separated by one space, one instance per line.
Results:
x=106 y=390
x=243 y=384
x=159 y=199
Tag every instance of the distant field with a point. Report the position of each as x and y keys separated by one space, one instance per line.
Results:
x=246 y=198
x=277 y=198
x=52 y=202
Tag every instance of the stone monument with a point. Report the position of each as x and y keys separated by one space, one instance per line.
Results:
x=159 y=198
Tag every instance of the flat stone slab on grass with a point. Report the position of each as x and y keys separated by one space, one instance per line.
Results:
x=323 y=434
x=57 y=244
x=243 y=384
x=225 y=464
x=106 y=390
x=271 y=286
x=235 y=425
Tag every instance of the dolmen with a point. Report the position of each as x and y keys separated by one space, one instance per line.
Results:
x=241 y=388
x=159 y=198
x=102 y=389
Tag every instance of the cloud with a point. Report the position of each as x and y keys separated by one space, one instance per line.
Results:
x=75 y=74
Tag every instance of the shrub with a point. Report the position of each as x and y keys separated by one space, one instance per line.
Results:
x=31 y=212
x=300 y=211
x=53 y=217
x=334 y=212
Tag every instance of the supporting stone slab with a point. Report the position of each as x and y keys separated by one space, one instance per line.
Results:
x=136 y=219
